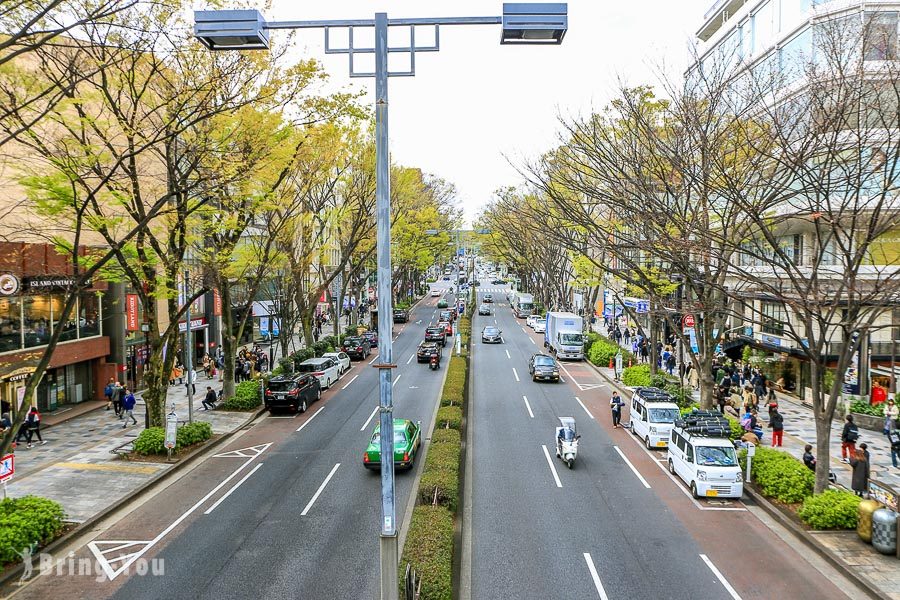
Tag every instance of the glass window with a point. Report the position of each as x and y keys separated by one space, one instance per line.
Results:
x=708 y=456
x=70 y=325
x=10 y=324
x=881 y=36
x=663 y=415
x=796 y=54
x=830 y=253
x=763 y=28
x=792 y=247
x=747 y=40
x=37 y=320
x=774 y=318
x=88 y=315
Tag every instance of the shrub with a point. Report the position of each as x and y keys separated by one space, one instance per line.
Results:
x=151 y=441
x=832 y=509
x=589 y=341
x=440 y=477
x=321 y=347
x=449 y=416
x=781 y=476
x=302 y=355
x=445 y=436
x=602 y=350
x=429 y=549
x=638 y=375
x=193 y=433
x=688 y=409
x=246 y=397
x=660 y=380
x=27 y=522
x=455 y=385
x=736 y=430
x=862 y=407
x=683 y=395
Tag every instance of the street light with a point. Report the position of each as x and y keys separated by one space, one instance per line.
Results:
x=521 y=23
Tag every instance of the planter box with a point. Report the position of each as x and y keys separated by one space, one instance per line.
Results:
x=868 y=422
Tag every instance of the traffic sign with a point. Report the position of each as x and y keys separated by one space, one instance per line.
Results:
x=171 y=430
x=688 y=321
x=7 y=467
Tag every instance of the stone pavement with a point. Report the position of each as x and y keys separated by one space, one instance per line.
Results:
x=880 y=570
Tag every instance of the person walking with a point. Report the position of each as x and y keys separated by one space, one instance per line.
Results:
x=849 y=435
x=860 y=480
x=894 y=439
x=776 y=422
x=191 y=381
x=108 y=391
x=209 y=402
x=891 y=412
x=616 y=404
x=117 y=399
x=128 y=402
x=33 y=426
x=670 y=364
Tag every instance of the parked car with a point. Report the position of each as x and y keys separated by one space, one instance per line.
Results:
x=426 y=350
x=435 y=293
x=357 y=347
x=372 y=336
x=484 y=309
x=530 y=320
x=442 y=303
x=491 y=335
x=488 y=298
x=343 y=360
x=293 y=392
x=543 y=367
x=448 y=327
x=401 y=315
x=540 y=326
x=407 y=441
x=436 y=334
x=325 y=369
x=704 y=458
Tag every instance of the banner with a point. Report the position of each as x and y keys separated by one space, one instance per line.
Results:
x=131 y=312
x=217 y=304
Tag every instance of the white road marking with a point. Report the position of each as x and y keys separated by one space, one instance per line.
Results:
x=516 y=374
x=305 y=423
x=595 y=576
x=410 y=359
x=319 y=491
x=552 y=466
x=234 y=487
x=507 y=354
x=369 y=420
x=584 y=407
x=283 y=416
x=631 y=466
x=374 y=359
x=495 y=321
x=531 y=339
x=528 y=406
x=349 y=382
x=722 y=580
x=396 y=380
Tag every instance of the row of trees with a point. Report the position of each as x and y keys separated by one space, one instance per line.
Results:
x=184 y=171
x=739 y=184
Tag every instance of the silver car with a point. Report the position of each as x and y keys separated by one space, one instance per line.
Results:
x=491 y=335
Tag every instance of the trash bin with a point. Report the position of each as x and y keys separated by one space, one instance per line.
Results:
x=864 y=526
x=884 y=530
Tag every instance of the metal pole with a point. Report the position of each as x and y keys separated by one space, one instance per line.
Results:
x=389 y=550
x=189 y=363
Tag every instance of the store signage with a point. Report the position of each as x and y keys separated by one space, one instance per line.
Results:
x=131 y=312
x=9 y=284
x=46 y=283
x=771 y=340
x=195 y=324
x=217 y=303
x=851 y=375
x=688 y=321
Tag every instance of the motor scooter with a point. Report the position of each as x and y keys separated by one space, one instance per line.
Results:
x=434 y=363
x=567 y=441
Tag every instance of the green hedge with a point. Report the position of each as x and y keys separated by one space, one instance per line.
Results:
x=455 y=385
x=449 y=416
x=602 y=350
x=26 y=523
x=429 y=549
x=246 y=397
x=441 y=473
x=862 y=407
x=153 y=439
x=638 y=375
x=832 y=509
x=779 y=475
x=445 y=436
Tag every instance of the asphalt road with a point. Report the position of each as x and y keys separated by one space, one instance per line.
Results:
x=283 y=532
x=601 y=531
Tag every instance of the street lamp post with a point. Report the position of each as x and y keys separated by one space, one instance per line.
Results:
x=521 y=23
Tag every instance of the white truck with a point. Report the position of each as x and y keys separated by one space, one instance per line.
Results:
x=563 y=335
x=522 y=304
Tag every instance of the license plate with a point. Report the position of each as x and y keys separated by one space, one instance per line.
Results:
x=661 y=444
x=712 y=493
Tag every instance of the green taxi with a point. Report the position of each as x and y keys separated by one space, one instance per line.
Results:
x=407 y=441
x=442 y=303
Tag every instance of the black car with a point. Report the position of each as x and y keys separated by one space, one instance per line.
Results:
x=294 y=392
x=426 y=350
x=543 y=367
x=372 y=336
x=436 y=334
x=356 y=347
x=401 y=315
x=491 y=335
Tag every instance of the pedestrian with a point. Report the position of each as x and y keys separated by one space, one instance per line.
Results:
x=860 y=480
x=108 y=391
x=865 y=450
x=33 y=424
x=128 y=402
x=616 y=404
x=891 y=412
x=694 y=378
x=209 y=402
x=749 y=397
x=248 y=367
x=808 y=458
x=849 y=435
x=894 y=439
x=117 y=399
x=670 y=364
x=776 y=422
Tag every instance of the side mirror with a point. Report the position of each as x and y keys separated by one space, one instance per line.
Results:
x=577 y=437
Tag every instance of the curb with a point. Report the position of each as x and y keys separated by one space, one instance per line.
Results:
x=798 y=532
x=13 y=571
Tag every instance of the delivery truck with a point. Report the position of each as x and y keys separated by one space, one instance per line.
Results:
x=564 y=335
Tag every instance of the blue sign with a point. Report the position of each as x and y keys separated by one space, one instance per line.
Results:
x=264 y=327
x=692 y=334
x=771 y=340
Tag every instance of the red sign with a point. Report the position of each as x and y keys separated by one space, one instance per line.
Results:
x=131 y=312
x=7 y=467
x=217 y=303
x=688 y=320
x=324 y=297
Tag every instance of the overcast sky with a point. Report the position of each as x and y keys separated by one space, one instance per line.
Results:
x=476 y=105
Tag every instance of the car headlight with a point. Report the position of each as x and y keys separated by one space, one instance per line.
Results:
x=701 y=475
x=739 y=477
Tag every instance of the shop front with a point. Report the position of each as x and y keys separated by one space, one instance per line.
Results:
x=12 y=386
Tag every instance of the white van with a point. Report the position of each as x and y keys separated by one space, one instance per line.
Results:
x=704 y=458
x=653 y=415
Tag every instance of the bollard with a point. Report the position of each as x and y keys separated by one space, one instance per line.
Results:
x=864 y=526
x=610 y=363
x=884 y=531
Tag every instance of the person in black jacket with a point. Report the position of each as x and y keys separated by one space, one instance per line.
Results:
x=808 y=458
x=849 y=435
x=776 y=422
x=209 y=402
x=860 y=481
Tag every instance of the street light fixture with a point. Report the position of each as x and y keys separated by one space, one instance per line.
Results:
x=522 y=23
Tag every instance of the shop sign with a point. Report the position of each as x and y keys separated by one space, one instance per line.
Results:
x=851 y=375
x=217 y=303
x=195 y=324
x=46 y=283
x=688 y=321
x=771 y=340
x=131 y=312
x=7 y=467
x=9 y=284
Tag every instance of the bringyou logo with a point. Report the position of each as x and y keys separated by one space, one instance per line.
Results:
x=47 y=564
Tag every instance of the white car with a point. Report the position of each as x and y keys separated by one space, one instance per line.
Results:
x=435 y=293
x=326 y=370
x=540 y=326
x=530 y=320
x=342 y=358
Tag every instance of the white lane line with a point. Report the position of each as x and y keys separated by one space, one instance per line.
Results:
x=495 y=321
x=631 y=466
x=349 y=382
x=722 y=580
x=234 y=487
x=528 y=406
x=315 y=414
x=374 y=359
x=584 y=407
x=516 y=374
x=396 y=380
x=283 y=416
x=319 y=491
x=507 y=354
x=530 y=339
x=552 y=466
x=410 y=359
x=369 y=420
x=595 y=576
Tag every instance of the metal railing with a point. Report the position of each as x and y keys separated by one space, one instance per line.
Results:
x=412 y=584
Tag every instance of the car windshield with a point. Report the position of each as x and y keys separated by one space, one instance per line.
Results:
x=572 y=338
x=399 y=437
x=663 y=415
x=352 y=341
x=491 y=331
x=435 y=330
x=715 y=456
x=567 y=435
x=280 y=386
x=543 y=361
